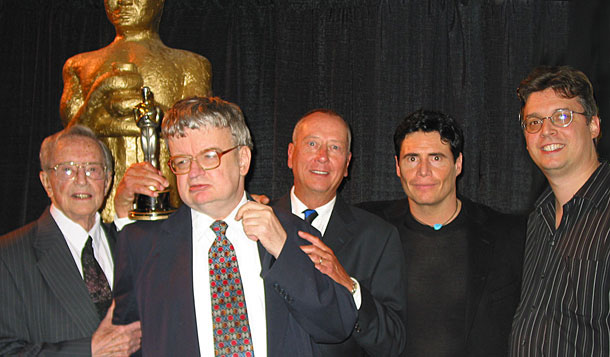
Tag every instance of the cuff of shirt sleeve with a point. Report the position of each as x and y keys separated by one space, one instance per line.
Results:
x=120 y=223
x=357 y=294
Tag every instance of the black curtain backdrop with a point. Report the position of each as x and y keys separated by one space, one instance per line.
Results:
x=373 y=61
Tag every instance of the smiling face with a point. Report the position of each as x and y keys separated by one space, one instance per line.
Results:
x=427 y=170
x=560 y=151
x=81 y=197
x=213 y=192
x=319 y=156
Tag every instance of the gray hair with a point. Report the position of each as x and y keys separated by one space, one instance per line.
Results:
x=47 y=149
x=206 y=112
x=329 y=112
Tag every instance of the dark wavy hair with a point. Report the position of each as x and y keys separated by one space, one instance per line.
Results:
x=429 y=121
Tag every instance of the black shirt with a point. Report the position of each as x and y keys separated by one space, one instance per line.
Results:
x=437 y=262
x=565 y=300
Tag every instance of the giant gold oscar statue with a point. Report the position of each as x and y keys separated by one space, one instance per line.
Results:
x=102 y=87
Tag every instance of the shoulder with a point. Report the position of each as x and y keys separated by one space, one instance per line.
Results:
x=387 y=210
x=19 y=237
x=485 y=215
x=366 y=217
x=191 y=60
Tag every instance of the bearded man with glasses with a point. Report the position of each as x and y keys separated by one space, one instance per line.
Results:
x=565 y=299
x=57 y=272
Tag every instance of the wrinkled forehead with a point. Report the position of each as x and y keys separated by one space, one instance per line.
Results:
x=77 y=149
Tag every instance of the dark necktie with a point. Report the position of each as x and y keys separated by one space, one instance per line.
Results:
x=97 y=284
x=310 y=215
x=229 y=314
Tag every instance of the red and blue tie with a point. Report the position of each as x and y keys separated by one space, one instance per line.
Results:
x=229 y=314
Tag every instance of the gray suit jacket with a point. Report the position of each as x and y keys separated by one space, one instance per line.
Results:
x=369 y=249
x=45 y=308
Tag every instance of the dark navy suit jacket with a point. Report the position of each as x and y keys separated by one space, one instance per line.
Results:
x=154 y=284
x=369 y=250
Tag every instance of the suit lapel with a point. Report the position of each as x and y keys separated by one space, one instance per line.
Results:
x=173 y=257
x=340 y=228
x=480 y=250
x=57 y=266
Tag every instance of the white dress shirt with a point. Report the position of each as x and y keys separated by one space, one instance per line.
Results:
x=320 y=223
x=76 y=237
x=246 y=251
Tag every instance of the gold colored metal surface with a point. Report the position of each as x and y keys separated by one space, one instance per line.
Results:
x=102 y=87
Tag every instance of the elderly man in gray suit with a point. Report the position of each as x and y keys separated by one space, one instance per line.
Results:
x=56 y=272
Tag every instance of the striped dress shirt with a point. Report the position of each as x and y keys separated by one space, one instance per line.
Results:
x=565 y=298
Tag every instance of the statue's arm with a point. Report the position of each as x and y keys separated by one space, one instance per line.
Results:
x=72 y=95
x=107 y=106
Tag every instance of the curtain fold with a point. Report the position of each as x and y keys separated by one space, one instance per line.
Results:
x=373 y=61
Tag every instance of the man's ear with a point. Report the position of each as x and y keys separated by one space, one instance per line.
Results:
x=594 y=127
x=46 y=183
x=107 y=183
x=290 y=152
x=245 y=155
x=349 y=158
x=458 y=165
x=397 y=166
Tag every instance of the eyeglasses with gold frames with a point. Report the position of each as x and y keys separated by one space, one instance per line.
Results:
x=207 y=159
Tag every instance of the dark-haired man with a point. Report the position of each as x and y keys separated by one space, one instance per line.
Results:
x=463 y=259
x=565 y=303
x=56 y=272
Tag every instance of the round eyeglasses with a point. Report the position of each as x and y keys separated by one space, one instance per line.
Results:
x=560 y=118
x=207 y=159
x=69 y=170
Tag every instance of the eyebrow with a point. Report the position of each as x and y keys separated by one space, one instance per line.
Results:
x=413 y=154
x=538 y=115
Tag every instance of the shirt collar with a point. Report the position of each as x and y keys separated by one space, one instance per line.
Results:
x=299 y=206
x=202 y=221
x=589 y=191
x=73 y=231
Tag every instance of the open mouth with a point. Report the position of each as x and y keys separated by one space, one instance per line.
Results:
x=552 y=147
x=81 y=196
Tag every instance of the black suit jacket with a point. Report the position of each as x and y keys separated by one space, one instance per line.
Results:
x=369 y=250
x=154 y=284
x=45 y=306
x=495 y=254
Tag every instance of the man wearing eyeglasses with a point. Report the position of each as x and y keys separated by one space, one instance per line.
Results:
x=56 y=272
x=565 y=300
x=224 y=275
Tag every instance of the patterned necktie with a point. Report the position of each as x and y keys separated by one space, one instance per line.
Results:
x=310 y=215
x=229 y=313
x=97 y=284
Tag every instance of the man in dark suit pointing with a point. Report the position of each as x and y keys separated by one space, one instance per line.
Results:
x=358 y=250
x=56 y=272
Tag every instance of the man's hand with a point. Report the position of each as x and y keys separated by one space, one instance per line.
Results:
x=141 y=178
x=325 y=260
x=261 y=224
x=260 y=198
x=115 y=340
